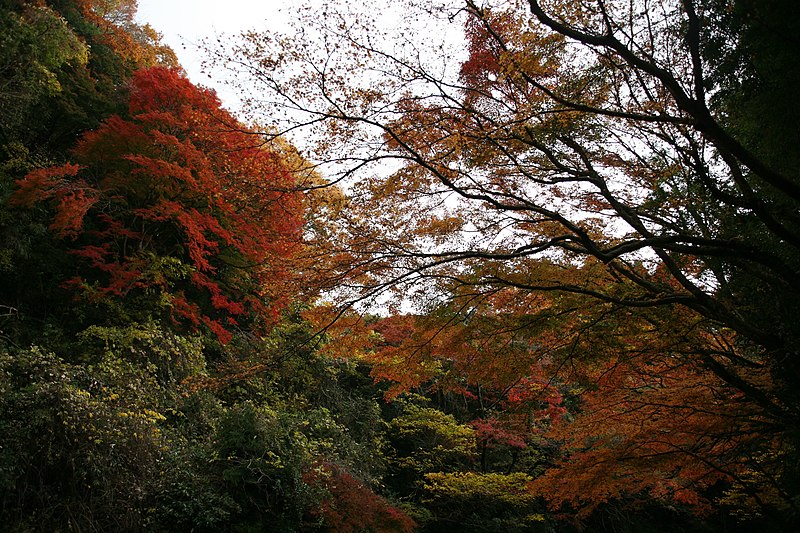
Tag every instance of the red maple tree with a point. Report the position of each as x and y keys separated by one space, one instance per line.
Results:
x=179 y=203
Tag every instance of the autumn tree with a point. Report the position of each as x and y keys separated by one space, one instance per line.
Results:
x=621 y=138
x=59 y=78
x=137 y=44
x=176 y=208
x=351 y=506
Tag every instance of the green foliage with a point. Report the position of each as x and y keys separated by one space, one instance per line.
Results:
x=81 y=445
x=262 y=456
x=423 y=440
x=190 y=501
x=504 y=489
x=35 y=43
x=485 y=502
x=171 y=357
x=137 y=432
x=59 y=76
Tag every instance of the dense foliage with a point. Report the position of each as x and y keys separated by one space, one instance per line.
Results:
x=590 y=219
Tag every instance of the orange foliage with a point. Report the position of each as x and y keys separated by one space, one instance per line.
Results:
x=136 y=43
x=665 y=427
x=652 y=419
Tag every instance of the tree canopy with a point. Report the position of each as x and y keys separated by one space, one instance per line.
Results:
x=602 y=162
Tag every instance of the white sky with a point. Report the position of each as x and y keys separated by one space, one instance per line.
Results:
x=184 y=23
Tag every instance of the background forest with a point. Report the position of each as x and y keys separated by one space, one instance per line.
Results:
x=546 y=281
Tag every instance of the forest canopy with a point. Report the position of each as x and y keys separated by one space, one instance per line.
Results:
x=504 y=266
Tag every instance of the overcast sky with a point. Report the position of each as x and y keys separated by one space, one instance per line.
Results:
x=185 y=22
